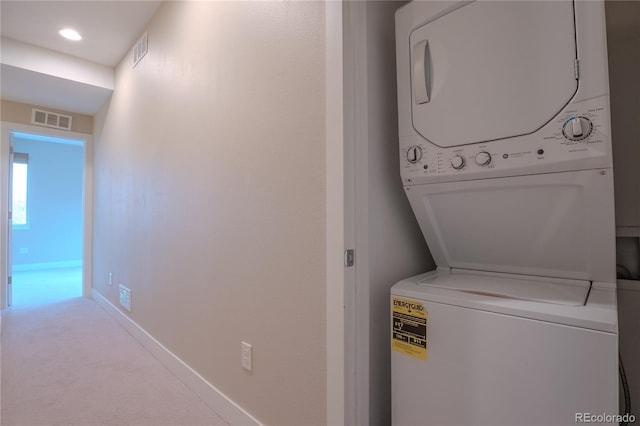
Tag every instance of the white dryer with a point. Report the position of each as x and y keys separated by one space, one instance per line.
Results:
x=505 y=156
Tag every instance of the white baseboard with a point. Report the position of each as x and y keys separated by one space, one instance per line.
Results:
x=216 y=400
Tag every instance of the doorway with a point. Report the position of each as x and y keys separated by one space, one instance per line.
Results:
x=46 y=215
x=47 y=220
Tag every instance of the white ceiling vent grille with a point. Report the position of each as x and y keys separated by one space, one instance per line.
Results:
x=140 y=49
x=50 y=119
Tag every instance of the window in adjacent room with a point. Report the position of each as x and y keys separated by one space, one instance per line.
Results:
x=19 y=190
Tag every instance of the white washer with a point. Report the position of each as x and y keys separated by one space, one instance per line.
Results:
x=504 y=351
x=505 y=157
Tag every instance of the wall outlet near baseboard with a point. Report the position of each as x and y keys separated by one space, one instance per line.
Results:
x=247 y=356
x=125 y=297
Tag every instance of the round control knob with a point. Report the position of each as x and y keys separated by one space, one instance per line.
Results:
x=458 y=162
x=414 y=154
x=483 y=158
x=577 y=128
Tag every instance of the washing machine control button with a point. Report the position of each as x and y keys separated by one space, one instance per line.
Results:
x=577 y=128
x=414 y=154
x=458 y=162
x=483 y=158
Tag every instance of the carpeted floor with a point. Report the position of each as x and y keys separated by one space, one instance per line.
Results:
x=45 y=286
x=69 y=363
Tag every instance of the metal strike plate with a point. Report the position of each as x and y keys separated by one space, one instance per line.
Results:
x=349 y=257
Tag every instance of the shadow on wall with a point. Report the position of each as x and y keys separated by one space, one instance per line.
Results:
x=628 y=258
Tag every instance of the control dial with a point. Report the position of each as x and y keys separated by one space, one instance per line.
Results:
x=577 y=128
x=414 y=154
x=483 y=158
x=458 y=162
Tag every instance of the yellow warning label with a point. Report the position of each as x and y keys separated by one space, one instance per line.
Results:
x=409 y=327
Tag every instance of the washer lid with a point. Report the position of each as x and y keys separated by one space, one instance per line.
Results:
x=492 y=70
x=535 y=289
x=547 y=225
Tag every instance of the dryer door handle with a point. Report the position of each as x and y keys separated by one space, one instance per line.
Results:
x=421 y=65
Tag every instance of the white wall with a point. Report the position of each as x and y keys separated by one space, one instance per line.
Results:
x=40 y=76
x=210 y=198
x=45 y=61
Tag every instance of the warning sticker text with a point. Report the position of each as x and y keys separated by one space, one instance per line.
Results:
x=409 y=328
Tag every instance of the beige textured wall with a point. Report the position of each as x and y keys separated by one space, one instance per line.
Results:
x=17 y=112
x=210 y=198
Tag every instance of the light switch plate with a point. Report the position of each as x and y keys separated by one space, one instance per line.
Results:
x=247 y=356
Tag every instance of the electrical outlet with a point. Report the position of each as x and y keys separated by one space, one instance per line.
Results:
x=110 y=278
x=247 y=356
x=125 y=297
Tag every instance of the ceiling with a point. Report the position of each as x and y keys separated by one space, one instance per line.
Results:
x=109 y=30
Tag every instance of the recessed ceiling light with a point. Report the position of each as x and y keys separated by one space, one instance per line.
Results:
x=70 y=34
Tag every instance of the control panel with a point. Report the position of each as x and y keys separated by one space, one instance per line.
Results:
x=577 y=138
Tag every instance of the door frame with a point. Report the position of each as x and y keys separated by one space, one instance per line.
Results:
x=337 y=225
x=356 y=183
x=6 y=128
x=347 y=186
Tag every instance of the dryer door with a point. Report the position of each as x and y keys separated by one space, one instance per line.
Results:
x=492 y=70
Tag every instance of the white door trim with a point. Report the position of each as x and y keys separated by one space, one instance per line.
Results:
x=336 y=221
x=347 y=199
x=87 y=244
x=356 y=211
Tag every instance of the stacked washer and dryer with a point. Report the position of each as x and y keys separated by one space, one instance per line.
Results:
x=505 y=155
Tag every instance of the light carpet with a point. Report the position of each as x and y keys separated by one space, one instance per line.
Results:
x=46 y=286
x=69 y=363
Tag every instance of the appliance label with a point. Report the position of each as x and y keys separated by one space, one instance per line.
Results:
x=409 y=327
